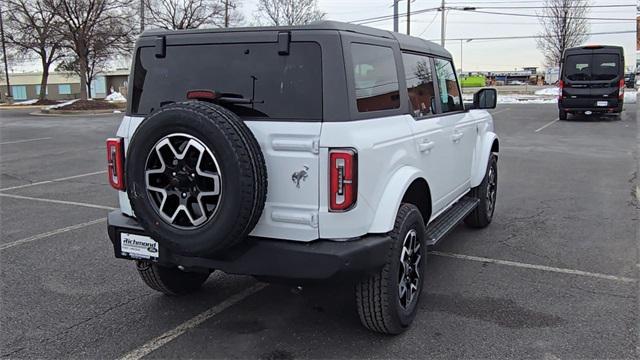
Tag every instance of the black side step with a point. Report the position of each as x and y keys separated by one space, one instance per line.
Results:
x=448 y=220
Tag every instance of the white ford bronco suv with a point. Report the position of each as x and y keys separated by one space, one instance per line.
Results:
x=299 y=153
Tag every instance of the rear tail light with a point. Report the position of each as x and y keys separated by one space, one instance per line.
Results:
x=621 y=89
x=560 y=89
x=343 y=186
x=115 y=162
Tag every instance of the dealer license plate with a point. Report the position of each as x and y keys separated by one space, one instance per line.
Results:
x=138 y=246
x=602 y=103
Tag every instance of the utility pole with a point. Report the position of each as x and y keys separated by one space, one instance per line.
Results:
x=4 y=55
x=408 y=17
x=395 y=15
x=141 y=16
x=226 y=13
x=442 y=24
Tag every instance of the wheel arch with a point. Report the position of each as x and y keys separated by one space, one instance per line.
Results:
x=406 y=185
x=490 y=144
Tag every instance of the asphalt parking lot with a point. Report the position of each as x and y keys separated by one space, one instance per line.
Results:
x=554 y=276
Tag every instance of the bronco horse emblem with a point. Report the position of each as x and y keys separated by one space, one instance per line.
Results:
x=300 y=175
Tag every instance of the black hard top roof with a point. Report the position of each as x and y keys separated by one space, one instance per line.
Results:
x=406 y=42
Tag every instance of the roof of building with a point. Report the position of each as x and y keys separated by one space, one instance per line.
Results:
x=406 y=42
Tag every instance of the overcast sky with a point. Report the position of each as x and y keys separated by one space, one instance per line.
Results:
x=483 y=54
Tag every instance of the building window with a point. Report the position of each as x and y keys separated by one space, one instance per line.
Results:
x=64 y=89
x=46 y=90
x=417 y=69
x=448 y=85
x=19 y=92
x=376 y=78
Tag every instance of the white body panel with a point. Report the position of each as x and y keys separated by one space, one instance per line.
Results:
x=450 y=152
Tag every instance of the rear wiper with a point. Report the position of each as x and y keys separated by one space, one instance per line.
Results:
x=237 y=100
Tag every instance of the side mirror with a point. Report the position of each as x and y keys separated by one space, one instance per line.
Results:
x=485 y=99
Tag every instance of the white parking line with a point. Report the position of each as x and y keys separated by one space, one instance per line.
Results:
x=168 y=336
x=24 y=141
x=535 y=267
x=547 y=125
x=94 y=206
x=52 y=181
x=51 y=233
x=499 y=111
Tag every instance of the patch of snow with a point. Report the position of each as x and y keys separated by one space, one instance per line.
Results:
x=517 y=99
x=630 y=97
x=551 y=91
x=117 y=112
x=56 y=106
x=26 y=102
x=115 y=96
x=524 y=99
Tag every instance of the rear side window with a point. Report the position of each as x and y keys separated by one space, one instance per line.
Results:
x=448 y=84
x=280 y=87
x=376 y=77
x=605 y=67
x=417 y=71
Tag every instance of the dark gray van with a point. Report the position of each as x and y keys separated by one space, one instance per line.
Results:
x=591 y=80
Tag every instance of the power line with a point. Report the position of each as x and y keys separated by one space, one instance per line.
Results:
x=545 y=16
x=535 y=36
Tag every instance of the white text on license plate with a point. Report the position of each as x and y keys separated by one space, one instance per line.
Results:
x=138 y=246
x=602 y=103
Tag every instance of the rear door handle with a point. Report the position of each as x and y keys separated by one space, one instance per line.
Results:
x=426 y=146
x=457 y=136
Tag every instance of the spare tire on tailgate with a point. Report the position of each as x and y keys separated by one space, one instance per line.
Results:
x=196 y=178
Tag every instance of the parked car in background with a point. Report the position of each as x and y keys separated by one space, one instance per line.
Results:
x=591 y=81
x=630 y=80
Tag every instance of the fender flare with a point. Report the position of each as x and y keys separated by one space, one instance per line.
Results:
x=389 y=203
x=480 y=166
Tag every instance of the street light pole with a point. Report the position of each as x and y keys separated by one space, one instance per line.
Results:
x=395 y=15
x=442 y=24
x=408 y=17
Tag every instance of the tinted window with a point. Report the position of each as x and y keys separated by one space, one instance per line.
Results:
x=448 y=85
x=578 y=67
x=376 y=77
x=417 y=71
x=605 y=66
x=282 y=87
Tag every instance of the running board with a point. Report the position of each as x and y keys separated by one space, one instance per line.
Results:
x=449 y=219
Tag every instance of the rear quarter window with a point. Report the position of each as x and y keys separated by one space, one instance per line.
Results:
x=282 y=87
x=376 y=77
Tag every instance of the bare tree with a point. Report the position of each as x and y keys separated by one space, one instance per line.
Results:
x=32 y=29
x=288 y=12
x=185 y=14
x=94 y=29
x=565 y=25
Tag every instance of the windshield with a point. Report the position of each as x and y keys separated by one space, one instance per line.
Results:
x=278 y=87
x=596 y=67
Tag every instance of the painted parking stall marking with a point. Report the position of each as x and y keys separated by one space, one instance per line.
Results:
x=535 y=267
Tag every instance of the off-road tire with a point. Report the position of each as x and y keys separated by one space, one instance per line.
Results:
x=170 y=280
x=243 y=177
x=562 y=115
x=481 y=217
x=377 y=296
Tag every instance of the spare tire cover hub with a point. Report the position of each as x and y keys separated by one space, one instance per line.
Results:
x=183 y=181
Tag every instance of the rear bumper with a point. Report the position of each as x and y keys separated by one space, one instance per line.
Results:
x=616 y=109
x=320 y=259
